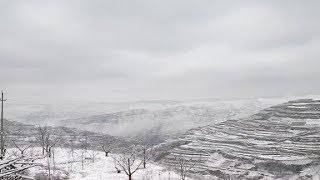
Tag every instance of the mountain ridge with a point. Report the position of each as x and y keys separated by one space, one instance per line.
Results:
x=282 y=141
x=22 y=133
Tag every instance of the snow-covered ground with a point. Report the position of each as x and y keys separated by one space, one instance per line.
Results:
x=102 y=168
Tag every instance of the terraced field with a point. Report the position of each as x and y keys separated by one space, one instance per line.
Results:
x=282 y=142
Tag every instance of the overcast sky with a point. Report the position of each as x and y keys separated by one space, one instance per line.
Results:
x=158 y=49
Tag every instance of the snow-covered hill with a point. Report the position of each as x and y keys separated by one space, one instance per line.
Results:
x=159 y=124
x=155 y=121
x=22 y=134
x=279 y=142
x=152 y=121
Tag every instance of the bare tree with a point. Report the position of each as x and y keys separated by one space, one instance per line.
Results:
x=46 y=140
x=185 y=165
x=116 y=167
x=146 y=155
x=71 y=153
x=145 y=152
x=94 y=154
x=21 y=145
x=21 y=148
x=84 y=148
x=107 y=147
x=128 y=163
x=42 y=131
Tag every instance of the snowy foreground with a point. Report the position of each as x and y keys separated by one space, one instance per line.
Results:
x=98 y=168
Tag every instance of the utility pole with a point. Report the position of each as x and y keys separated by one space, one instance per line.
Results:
x=2 y=132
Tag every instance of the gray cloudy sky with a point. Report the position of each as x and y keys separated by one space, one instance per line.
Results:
x=165 y=49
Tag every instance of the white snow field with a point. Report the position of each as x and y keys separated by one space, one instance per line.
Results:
x=103 y=168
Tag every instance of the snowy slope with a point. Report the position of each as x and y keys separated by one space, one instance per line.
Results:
x=21 y=133
x=68 y=166
x=278 y=142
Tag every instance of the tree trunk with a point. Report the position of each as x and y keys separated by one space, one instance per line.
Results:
x=107 y=154
x=49 y=168
x=144 y=158
x=49 y=151
x=82 y=161
x=129 y=170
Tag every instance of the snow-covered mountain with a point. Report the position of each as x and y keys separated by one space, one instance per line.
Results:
x=152 y=121
x=156 y=125
x=279 y=142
